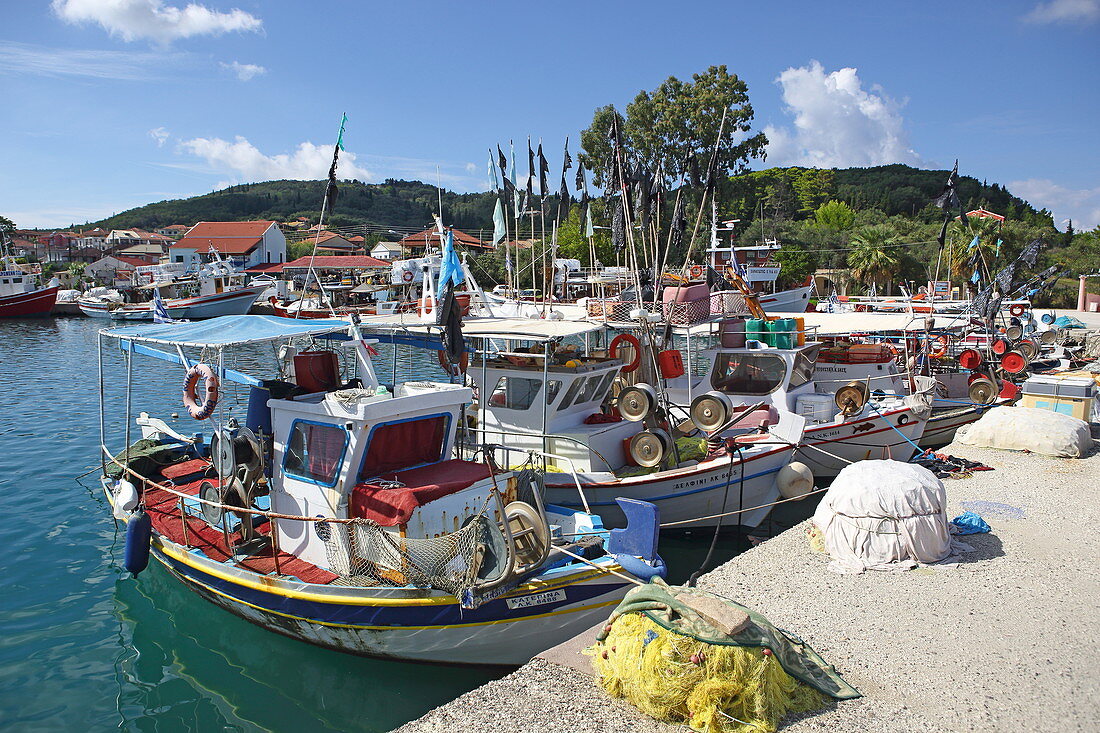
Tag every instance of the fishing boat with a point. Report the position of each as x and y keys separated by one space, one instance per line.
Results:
x=541 y=391
x=339 y=513
x=217 y=289
x=21 y=296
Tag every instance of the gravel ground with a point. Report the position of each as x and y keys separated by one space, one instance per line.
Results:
x=1009 y=639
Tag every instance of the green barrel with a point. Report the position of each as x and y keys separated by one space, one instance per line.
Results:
x=756 y=329
x=782 y=334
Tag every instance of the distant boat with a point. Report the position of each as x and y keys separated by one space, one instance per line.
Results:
x=217 y=290
x=20 y=294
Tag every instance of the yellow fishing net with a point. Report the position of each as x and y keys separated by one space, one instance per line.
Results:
x=710 y=687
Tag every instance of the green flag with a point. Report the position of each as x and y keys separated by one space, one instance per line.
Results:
x=340 y=139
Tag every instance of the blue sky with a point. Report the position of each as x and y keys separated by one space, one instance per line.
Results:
x=110 y=104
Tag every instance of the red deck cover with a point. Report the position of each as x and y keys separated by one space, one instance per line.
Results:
x=391 y=507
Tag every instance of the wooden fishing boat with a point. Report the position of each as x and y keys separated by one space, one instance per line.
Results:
x=340 y=515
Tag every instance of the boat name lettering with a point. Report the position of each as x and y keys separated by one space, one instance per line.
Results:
x=536 y=599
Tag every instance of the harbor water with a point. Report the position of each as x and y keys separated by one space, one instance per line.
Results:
x=87 y=647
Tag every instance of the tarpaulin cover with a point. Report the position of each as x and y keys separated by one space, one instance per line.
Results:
x=1029 y=429
x=884 y=515
x=390 y=507
x=229 y=330
x=664 y=604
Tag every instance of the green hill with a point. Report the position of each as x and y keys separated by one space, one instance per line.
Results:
x=893 y=189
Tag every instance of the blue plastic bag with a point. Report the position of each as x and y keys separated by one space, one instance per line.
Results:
x=969 y=523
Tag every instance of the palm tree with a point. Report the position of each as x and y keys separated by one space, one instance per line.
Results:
x=873 y=258
x=957 y=251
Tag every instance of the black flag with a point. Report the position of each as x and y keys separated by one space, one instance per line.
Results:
x=1030 y=255
x=694 y=179
x=509 y=186
x=331 y=192
x=530 y=171
x=563 y=194
x=544 y=168
x=618 y=226
x=582 y=185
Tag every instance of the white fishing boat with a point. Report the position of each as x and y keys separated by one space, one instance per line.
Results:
x=339 y=513
x=217 y=289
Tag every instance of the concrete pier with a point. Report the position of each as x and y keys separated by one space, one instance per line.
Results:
x=1008 y=639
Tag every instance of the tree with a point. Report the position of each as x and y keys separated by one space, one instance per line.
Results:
x=797 y=263
x=6 y=224
x=835 y=215
x=676 y=121
x=813 y=186
x=872 y=260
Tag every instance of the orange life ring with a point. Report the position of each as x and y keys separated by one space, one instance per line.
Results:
x=190 y=392
x=696 y=271
x=407 y=276
x=1016 y=310
x=943 y=342
x=894 y=350
x=445 y=364
x=626 y=338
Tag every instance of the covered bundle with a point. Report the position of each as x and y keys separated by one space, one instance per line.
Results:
x=682 y=655
x=884 y=515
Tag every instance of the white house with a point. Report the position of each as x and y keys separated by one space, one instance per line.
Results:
x=386 y=251
x=245 y=243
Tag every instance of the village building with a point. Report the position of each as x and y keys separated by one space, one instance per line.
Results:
x=386 y=251
x=173 y=231
x=245 y=243
x=336 y=264
x=430 y=240
x=115 y=270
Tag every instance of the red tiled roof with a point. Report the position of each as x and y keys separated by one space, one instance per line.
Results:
x=229 y=228
x=266 y=268
x=349 y=262
x=224 y=245
x=431 y=235
x=135 y=261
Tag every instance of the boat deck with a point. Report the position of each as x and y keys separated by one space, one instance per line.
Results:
x=193 y=532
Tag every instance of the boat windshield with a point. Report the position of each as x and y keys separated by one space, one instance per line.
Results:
x=749 y=374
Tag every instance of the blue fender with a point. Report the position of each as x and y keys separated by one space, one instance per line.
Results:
x=139 y=531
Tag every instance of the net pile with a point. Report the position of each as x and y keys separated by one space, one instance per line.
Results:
x=365 y=553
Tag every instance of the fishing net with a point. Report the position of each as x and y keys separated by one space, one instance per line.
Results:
x=365 y=553
x=681 y=665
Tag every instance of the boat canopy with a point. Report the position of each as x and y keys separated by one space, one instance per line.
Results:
x=229 y=331
x=519 y=329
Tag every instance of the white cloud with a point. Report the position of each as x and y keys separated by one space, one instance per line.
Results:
x=471 y=168
x=25 y=58
x=1065 y=11
x=152 y=19
x=837 y=123
x=244 y=163
x=1082 y=205
x=159 y=134
x=244 y=72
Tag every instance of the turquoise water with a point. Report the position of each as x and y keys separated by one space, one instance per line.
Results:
x=86 y=647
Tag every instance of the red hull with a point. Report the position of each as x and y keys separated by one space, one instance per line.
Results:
x=28 y=305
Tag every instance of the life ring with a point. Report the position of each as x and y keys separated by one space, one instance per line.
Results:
x=190 y=391
x=445 y=363
x=862 y=308
x=626 y=338
x=407 y=276
x=1016 y=310
x=943 y=342
x=696 y=271
x=894 y=349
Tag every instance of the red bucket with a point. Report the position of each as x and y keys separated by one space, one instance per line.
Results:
x=1013 y=362
x=1009 y=391
x=970 y=359
x=1000 y=346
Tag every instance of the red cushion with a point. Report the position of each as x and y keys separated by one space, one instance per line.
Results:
x=391 y=507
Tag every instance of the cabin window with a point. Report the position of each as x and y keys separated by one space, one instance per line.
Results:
x=403 y=444
x=750 y=374
x=518 y=393
x=803 y=369
x=315 y=452
x=179 y=258
x=571 y=393
x=596 y=387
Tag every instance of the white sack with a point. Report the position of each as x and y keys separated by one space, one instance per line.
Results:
x=884 y=515
x=1029 y=428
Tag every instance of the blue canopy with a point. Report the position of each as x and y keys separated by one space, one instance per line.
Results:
x=229 y=330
